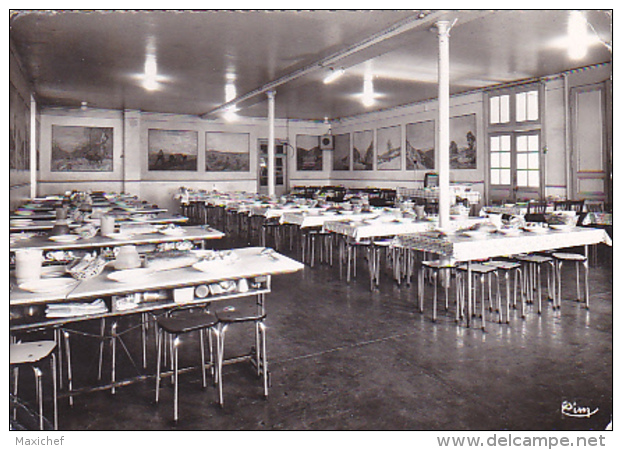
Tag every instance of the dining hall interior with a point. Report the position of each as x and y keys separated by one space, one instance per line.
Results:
x=400 y=220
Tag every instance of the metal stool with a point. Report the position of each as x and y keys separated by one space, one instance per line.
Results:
x=312 y=236
x=31 y=353
x=578 y=259
x=174 y=326
x=484 y=272
x=229 y=316
x=533 y=277
x=437 y=267
x=506 y=267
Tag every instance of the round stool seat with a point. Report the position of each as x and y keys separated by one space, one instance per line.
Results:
x=539 y=259
x=30 y=352
x=231 y=315
x=187 y=322
x=438 y=264
x=569 y=256
x=503 y=265
x=479 y=268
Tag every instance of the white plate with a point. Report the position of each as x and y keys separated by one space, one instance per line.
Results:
x=65 y=238
x=536 y=229
x=52 y=271
x=120 y=236
x=475 y=234
x=510 y=231
x=21 y=222
x=47 y=285
x=173 y=231
x=562 y=227
x=130 y=275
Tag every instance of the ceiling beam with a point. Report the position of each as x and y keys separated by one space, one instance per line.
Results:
x=421 y=18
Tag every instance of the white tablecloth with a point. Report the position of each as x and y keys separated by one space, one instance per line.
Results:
x=464 y=248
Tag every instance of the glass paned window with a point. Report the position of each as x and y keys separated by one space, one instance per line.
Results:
x=527 y=106
x=499 y=109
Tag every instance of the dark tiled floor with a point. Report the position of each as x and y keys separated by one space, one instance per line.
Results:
x=344 y=358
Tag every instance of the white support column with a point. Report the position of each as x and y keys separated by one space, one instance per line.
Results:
x=271 y=179
x=33 y=147
x=443 y=123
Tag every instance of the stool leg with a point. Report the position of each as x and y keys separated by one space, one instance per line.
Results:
x=15 y=388
x=176 y=378
x=559 y=284
x=113 y=375
x=447 y=281
x=202 y=345
x=576 y=266
x=143 y=331
x=482 y=280
x=39 y=394
x=160 y=338
x=421 y=289
x=220 y=344
x=586 y=267
x=539 y=289
x=54 y=389
x=435 y=280
x=69 y=367
x=264 y=359
x=102 y=330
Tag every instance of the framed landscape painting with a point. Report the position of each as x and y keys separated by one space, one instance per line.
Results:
x=389 y=148
x=363 y=150
x=81 y=149
x=308 y=153
x=19 y=131
x=172 y=149
x=420 y=145
x=227 y=152
x=463 y=145
x=341 y=154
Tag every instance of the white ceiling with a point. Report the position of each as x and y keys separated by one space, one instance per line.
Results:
x=98 y=57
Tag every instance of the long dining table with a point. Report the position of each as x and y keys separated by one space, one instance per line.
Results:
x=458 y=247
x=187 y=233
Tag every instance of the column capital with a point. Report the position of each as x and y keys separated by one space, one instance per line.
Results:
x=443 y=27
x=271 y=94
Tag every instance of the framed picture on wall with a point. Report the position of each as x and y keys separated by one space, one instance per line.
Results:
x=308 y=153
x=463 y=145
x=389 y=154
x=227 y=152
x=81 y=149
x=420 y=145
x=19 y=131
x=172 y=149
x=341 y=154
x=363 y=150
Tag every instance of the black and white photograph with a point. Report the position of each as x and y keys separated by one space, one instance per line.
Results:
x=386 y=223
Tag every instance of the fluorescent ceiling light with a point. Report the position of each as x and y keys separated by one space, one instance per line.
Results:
x=333 y=75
